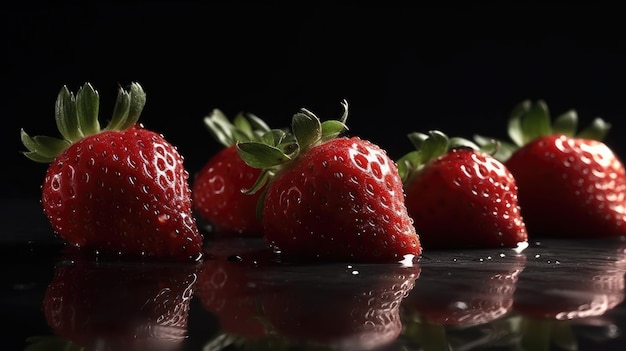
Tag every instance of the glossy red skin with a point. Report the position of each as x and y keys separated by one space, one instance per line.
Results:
x=570 y=187
x=340 y=200
x=123 y=191
x=465 y=199
x=124 y=305
x=217 y=196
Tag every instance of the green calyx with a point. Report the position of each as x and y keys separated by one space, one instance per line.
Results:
x=77 y=117
x=244 y=127
x=277 y=147
x=429 y=147
x=529 y=121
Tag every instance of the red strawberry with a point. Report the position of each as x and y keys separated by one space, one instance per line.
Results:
x=121 y=189
x=569 y=185
x=217 y=189
x=130 y=305
x=330 y=197
x=460 y=196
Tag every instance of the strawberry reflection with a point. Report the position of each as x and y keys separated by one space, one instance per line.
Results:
x=285 y=306
x=105 y=304
x=568 y=284
x=228 y=287
x=458 y=291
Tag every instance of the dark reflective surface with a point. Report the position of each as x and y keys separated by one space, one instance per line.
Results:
x=554 y=295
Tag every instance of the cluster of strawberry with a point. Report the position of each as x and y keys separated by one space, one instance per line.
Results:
x=313 y=193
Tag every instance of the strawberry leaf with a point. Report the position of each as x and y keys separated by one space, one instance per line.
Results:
x=435 y=145
x=120 y=111
x=257 y=123
x=515 y=125
x=417 y=139
x=274 y=137
x=258 y=185
x=597 y=130
x=536 y=122
x=127 y=108
x=220 y=127
x=344 y=116
x=243 y=127
x=261 y=155
x=87 y=105
x=306 y=128
x=47 y=148
x=566 y=123
x=408 y=163
x=455 y=142
x=331 y=129
x=500 y=150
x=66 y=116
x=137 y=103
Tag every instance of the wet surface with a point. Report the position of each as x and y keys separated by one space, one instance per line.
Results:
x=554 y=295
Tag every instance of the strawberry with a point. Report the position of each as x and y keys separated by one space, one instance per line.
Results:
x=459 y=195
x=327 y=197
x=216 y=190
x=120 y=304
x=570 y=185
x=120 y=189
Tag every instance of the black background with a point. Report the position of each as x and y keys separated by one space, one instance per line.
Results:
x=458 y=68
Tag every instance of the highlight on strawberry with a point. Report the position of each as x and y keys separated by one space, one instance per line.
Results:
x=459 y=195
x=329 y=197
x=571 y=184
x=121 y=189
x=216 y=190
